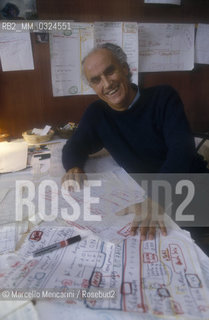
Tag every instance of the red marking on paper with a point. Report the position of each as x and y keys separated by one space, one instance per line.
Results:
x=96 y=279
x=149 y=257
x=125 y=231
x=36 y=235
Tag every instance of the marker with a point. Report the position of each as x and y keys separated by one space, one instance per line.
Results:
x=56 y=246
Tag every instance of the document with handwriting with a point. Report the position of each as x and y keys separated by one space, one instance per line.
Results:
x=160 y=277
x=202 y=44
x=67 y=50
x=166 y=47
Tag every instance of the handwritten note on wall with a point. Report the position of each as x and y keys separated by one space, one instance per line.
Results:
x=166 y=47
x=16 y=51
x=202 y=44
x=67 y=51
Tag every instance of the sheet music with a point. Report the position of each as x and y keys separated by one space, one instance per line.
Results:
x=202 y=44
x=166 y=47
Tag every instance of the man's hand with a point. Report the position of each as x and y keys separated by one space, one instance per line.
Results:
x=149 y=215
x=76 y=174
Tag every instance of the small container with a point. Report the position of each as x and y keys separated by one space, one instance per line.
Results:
x=31 y=138
x=67 y=131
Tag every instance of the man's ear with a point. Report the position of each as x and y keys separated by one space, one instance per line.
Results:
x=126 y=68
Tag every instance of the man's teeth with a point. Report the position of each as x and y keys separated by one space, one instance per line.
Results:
x=112 y=91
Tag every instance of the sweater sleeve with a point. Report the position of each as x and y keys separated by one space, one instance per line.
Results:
x=84 y=141
x=178 y=137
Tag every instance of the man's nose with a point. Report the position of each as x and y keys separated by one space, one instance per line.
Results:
x=106 y=81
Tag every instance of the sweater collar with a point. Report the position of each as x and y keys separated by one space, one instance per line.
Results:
x=135 y=99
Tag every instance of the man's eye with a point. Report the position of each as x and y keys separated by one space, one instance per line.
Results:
x=110 y=71
x=95 y=80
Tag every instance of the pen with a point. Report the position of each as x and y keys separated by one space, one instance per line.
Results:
x=56 y=246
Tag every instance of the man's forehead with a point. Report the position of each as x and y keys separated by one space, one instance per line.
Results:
x=99 y=56
x=98 y=61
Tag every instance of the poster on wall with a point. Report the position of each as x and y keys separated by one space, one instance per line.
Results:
x=18 y=9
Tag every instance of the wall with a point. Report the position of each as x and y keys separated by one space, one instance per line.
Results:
x=26 y=97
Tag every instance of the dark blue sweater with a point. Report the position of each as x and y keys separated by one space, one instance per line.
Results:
x=153 y=136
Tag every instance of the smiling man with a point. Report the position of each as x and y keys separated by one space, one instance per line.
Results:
x=145 y=131
x=109 y=79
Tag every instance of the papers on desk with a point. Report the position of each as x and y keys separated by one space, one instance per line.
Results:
x=16 y=51
x=116 y=191
x=15 y=310
x=155 y=278
x=10 y=234
x=166 y=47
x=13 y=156
x=159 y=277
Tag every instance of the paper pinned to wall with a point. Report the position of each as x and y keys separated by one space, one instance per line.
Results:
x=108 y=32
x=15 y=51
x=202 y=44
x=123 y=34
x=67 y=50
x=177 y=2
x=166 y=47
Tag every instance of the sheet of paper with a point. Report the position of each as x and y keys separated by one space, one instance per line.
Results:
x=130 y=47
x=112 y=194
x=110 y=32
x=55 y=311
x=3 y=193
x=8 y=203
x=204 y=264
x=202 y=44
x=8 y=307
x=123 y=34
x=177 y=2
x=16 y=51
x=13 y=156
x=67 y=50
x=159 y=277
x=17 y=310
x=7 y=238
x=166 y=47
x=10 y=234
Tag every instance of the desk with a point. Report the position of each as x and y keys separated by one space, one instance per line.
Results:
x=143 y=273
